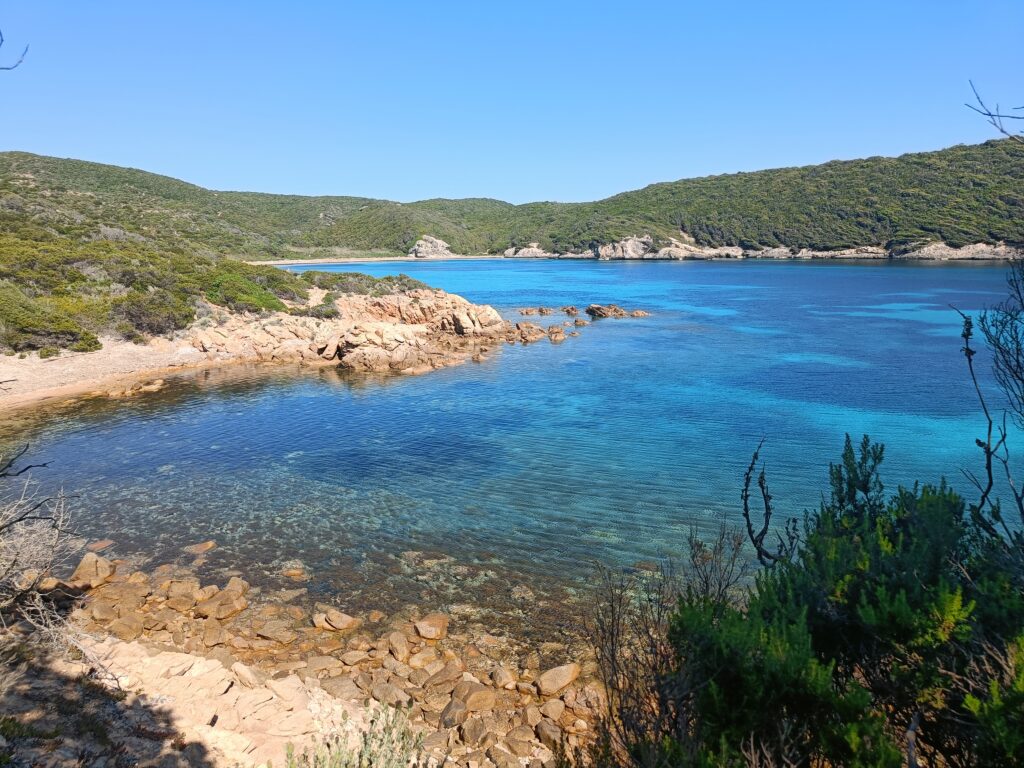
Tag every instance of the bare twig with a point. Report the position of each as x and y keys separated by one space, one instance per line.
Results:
x=995 y=117
x=21 y=58
x=786 y=545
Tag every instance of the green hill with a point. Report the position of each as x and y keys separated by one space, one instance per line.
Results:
x=87 y=249
x=959 y=195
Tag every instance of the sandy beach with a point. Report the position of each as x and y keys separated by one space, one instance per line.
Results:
x=117 y=366
x=361 y=260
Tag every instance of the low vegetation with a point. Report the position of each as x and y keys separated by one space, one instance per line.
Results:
x=885 y=629
x=58 y=293
x=386 y=742
x=960 y=195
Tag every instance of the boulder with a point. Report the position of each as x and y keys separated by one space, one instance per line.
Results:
x=421 y=659
x=390 y=695
x=92 y=571
x=454 y=714
x=222 y=605
x=554 y=680
x=334 y=620
x=528 y=333
x=502 y=677
x=598 y=311
x=129 y=627
x=342 y=687
x=399 y=646
x=428 y=247
x=433 y=626
x=278 y=630
x=549 y=734
x=476 y=697
x=552 y=709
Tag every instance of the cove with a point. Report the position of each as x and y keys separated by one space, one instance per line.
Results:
x=500 y=484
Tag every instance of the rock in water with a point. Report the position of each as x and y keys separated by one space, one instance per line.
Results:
x=597 y=311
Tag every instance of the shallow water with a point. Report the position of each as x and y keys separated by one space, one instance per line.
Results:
x=520 y=472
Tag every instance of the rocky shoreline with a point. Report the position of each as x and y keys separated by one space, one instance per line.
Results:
x=643 y=247
x=403 y=333
x=243 y=675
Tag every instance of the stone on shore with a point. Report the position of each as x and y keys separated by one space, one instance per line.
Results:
x=332 y=619
x=433 y=626
x=92 y=571
x=554 y=680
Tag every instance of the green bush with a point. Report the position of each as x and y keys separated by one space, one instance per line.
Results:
x=885 y=616
x=359 y=283
x=154 y=312
x=246 y=288
x=387 y=742
x=26 y=324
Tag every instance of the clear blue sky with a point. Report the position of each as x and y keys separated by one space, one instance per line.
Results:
x=520 y=101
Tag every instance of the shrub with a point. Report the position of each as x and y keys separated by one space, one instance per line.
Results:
x=27 y=324
x=387 y=742
x=885 y=624
x=359 y=283
x=154 y=312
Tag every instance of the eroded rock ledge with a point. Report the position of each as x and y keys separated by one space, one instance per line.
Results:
x=644 y=248
x=402 y=333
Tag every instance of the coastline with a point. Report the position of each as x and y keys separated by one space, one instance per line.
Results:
x=406 y=333
x=911 y=258
x=236 y=674
x=119 y=367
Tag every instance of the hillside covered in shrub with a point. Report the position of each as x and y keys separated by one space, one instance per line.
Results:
x=960 y=195
x=61 y=293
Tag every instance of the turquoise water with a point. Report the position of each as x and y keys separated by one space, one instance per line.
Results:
x=524 y=470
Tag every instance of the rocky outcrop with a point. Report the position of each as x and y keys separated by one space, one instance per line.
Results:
x=643 y=247
x=238 y=688
x=402 y=333
x=980 y=251
x=599 y=311
x=534 y=251
x=630 y=248
x=428 y=247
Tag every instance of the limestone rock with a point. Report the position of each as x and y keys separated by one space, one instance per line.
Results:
x=454 y=714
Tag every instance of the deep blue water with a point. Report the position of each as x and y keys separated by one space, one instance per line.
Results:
x=534 y=464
